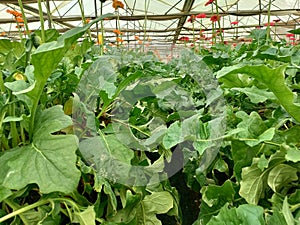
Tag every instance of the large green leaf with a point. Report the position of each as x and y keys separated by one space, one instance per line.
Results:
x=255 y=94
x=276 y=218
x=110 y=157
x=243 y=215
x=143 y=212
x=252 y=129
x=156 y=203
x=281 y=175
x=254 y=180
x=49 y=161
x=254 y=183
x=86 y=217
x=100 y=76
x=242 y=155
x=273 y=78
x=218 y=195
x=47 y=56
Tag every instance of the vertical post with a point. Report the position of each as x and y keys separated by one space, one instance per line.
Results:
x=237 y=19
x=96 y=15
x=49 y=14
x=259 y=18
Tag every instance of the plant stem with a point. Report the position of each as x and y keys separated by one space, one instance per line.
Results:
x=83 y=17
x=13 y=126
x=2 y=87
x=17 y=212
x=42 y=21
x=194 y=38
x=23 y=139
x=268 y=27
x=219 y=22
x=146 y=7
x=102 y=30
x=35 y=103
x=118 y=26
x=23 y=16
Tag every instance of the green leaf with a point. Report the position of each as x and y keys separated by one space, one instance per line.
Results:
x=265 y=136
x=156 y=203
x=293 y=154
x=100 y=76
x=101 y=183
x=252 y=129
x=276 y=218
x=253 y=184
x=242 y=155
x=280 y=176
x=86 y=217
x=258 y=34
x=49 y=161
x=254 y=181
x=262 y=163
x=291 y=136
x=214 y=195
x=50 y=34
x=287 y=212
x=243 y=215
x=110 y=157
x=273 y=78
x=12 y=118
x=173 y=135
x=295 y=31
x=47 y=56
x=4 y=193
x=128 y=213
x=256 y=95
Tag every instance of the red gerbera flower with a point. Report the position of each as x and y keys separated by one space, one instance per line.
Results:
x=209 y=2
x=201 y=16
x=184 y=39
x=289 y=35
x=271 y=24
x=234 y=22
x=215 y=18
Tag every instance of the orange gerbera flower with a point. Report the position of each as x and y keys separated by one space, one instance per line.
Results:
x=117 y=4
x=136 y=38
x=3 y=33
x=14 y=13
x=20 y=26
x=120 y=40
x=118 y=32
x=19 y=20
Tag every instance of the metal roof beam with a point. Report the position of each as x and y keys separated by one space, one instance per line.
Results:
x=186 y=8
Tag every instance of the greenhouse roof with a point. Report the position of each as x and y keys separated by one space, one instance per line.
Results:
x=162 y=21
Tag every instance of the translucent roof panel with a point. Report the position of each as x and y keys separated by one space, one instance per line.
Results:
x=162 y=21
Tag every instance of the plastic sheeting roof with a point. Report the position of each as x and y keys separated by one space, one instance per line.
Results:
x=161 y=20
